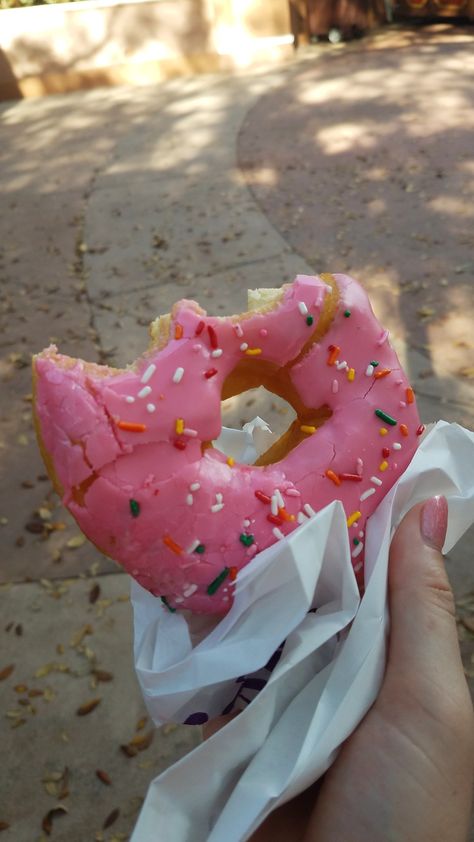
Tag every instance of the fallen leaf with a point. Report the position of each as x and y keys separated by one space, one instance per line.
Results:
x=75 y=542
x=426 y=312
x=128 y=750
x=103 y=776
x=47 y=823
x=88 y=707
x=141 y=723
x=142 y=741
x=111 y=818
x=94 y=593
x=4 y=826
x=102 y=675
x=6 y=672
x=79 y=636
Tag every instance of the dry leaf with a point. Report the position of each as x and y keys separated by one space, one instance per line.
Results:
x=103 y=776
x=142 y=741
x=20 y=688
x=75 y=542
x=51 y=667
x=94 y=593
x=426 y=312
x=111 y=818
x=102 y=675
x=129 y=751
x=6 y=672
x=47 y=823
x=88 y=707
x=79 y=636
x=4 y=826
x=141 y=723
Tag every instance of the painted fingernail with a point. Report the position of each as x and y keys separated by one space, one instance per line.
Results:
x=434 y=522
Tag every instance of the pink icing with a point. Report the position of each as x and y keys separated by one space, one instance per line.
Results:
x=139 y=500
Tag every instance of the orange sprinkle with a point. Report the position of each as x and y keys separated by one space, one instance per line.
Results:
x=230 y=461
x=233 y=573
x=252 y=352
x=131 y=426
x=404 y=430
x=383 y=466
x=178 y=331
x=331 y=475
x=382 y=373
x=179 y=426
x=383 y=431
x=285 y=515
x=172 y=545
x=334 y=352
x=410 y=395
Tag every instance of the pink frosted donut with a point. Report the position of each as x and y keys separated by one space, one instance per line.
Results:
x=131 y=450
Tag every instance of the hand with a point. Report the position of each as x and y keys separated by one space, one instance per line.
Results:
x=406 y=773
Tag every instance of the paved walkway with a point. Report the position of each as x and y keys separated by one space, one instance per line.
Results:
x=115 y=204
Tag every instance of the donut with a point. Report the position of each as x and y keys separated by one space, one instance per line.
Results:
x=131 y=451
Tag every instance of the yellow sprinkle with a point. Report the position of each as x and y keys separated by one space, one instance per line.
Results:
x=353 y=517
x=383 y=431
x=305 y=428
x=383 y=466
x=230 y=461
x=179 y=426
x=252 y=352
x=351 y=374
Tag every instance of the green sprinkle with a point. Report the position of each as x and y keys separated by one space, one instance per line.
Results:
x=134 y=508
x=215 y=585
x=347 y=313
x=165 y=602
x=200 y=549
x=387 y=418
x=247 y=540
x=356 y=542
x=309 y=320
x=374 y=363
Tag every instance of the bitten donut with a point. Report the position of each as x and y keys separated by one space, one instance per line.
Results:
x=131 y=452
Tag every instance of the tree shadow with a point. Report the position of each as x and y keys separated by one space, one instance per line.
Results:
x=9 y=88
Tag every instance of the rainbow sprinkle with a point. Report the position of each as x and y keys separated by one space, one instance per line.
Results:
x=131 y=426
x=353 y=518
x=217 y=582
x=172 y=545
x=387 y=418
x=134 y=507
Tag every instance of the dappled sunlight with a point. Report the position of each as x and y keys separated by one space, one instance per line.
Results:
x=453 y=206
x=344 y=136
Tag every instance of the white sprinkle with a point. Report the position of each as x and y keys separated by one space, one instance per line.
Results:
x=217 y=353
x=151 y=407
x=398 y=382
x=149 y=372
x=369 y=371
x=251 y=550
x=358 y=566
x=197 y=347
x=361 y=534
x=143 y=393
x=178 y=599
x=382 y=338
x=376 y=480
x=301 y=518
x=292 y=492
x=396 y=445
x=190 y=499
x=302 y=308
x=335 y=387
x=280 y=501
x=309 y=510
x=278 y=533
x=359 y=467
x=188 y=431
x=357 y=550
x=244 y=346
x=246 y=523
x=341 y=365
x=190 y=590
x=129 y=399
x=178 y=375
x=274 y=505
x=217 y=507
x=195 y=486
x=193 y=546
x=366 y=494
x=238 y=330
x=219 y=498
x=402 y=404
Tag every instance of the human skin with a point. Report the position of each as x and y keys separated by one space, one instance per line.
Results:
x=406 y=773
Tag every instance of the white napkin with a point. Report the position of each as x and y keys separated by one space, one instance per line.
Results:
x=327 y=677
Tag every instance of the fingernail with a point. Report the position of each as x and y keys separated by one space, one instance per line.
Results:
x=434 y=522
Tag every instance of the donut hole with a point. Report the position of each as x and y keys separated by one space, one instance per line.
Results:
x=275 y=410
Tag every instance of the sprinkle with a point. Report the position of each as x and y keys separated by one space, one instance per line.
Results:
x=351 y=477
x=387 y=418
x=369 y=370
x=178 y=331
x=357 y=550
x=376 y=480
x=193 y=547
x=129 y=399
x=150 y=407
x=178 y=375
x=238 y=330
x=275 y=519
x=420 y=430
x=385 y=452
x=180 y=445
x=274 y=504
x=217 y=582
x=353 y=518
x=307 y=428
x=144 y=392
x=383 y=466
x=361 y=534
x=366 y=494
x=263 y=332
x=217 y=353
x=375 y=363
x=301 y=518
x=195 y=486
x=334 y=477
x=230 y=461
x=190 y=590
x=404 y=430
x=244 y=346
x=398 y=382
x=217 y=507
x=134 y=508
x=292 y=492
x=309 y=320
x=410 y=395
x=402 y=404
x=309 y=510
x=253 y=352
x=359 y=466
x=280 y=501
x=200 y=327
x=347 y=313
x=382 y=373
x=285 y=515
x=335 y=387
x=165 y=602
x=190 y=499
x=278 y=533
x=351 y=374
x=382 y=339
x=302 y=308
x=334 y=352
x=383 y=431
x=341 y=365
x=247 y=540
x=233 y=573
x=173 y=546
x=219 y=497
x=197 y=347
x=246 y=523
x=149 y=372
x=200 y=549
x=264 y=498
x=212 y=337
x=131 y=426
x=396 y=445
x=188 y=431
x=210 y=373
x=355 y=541
x=179 y=426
